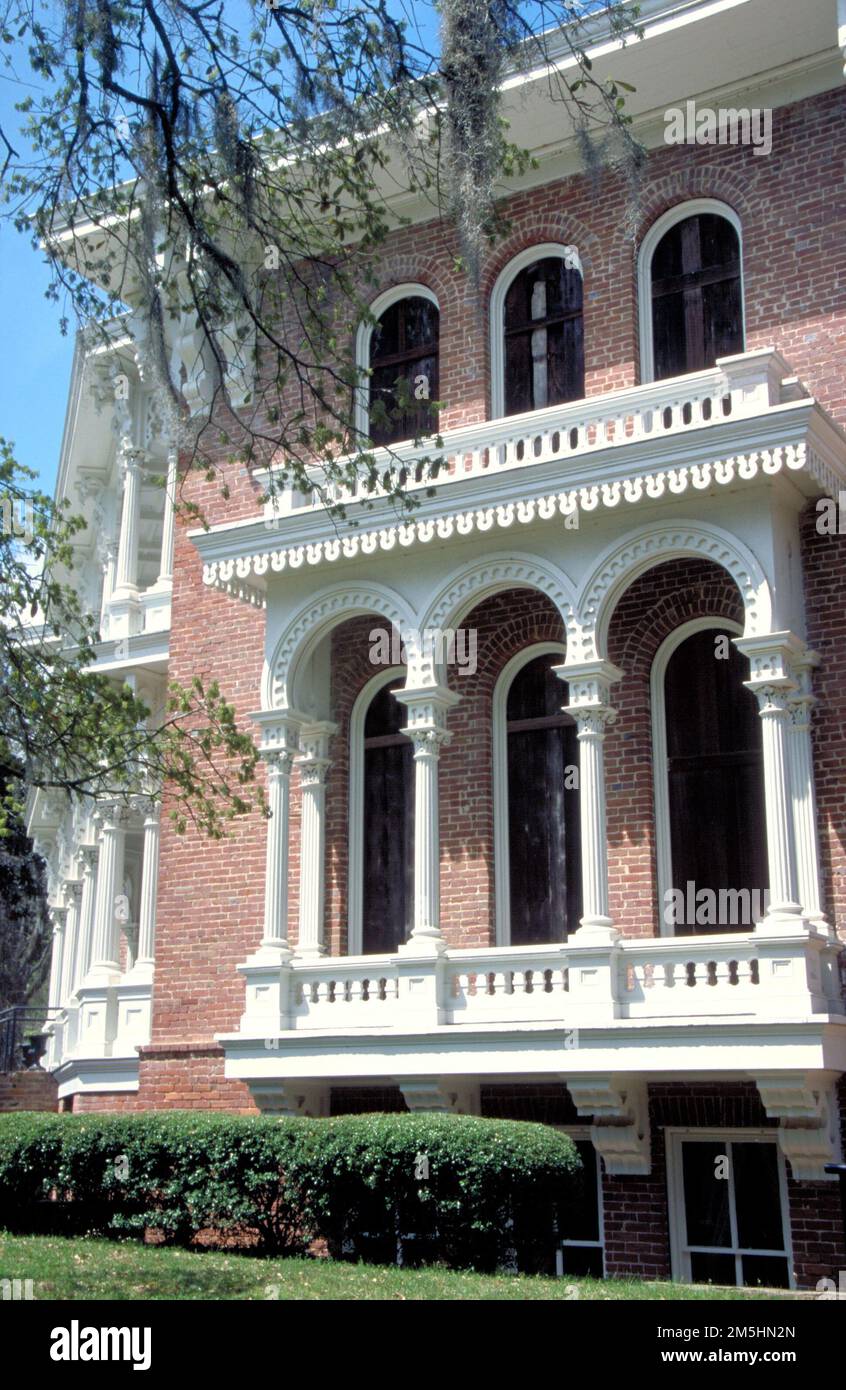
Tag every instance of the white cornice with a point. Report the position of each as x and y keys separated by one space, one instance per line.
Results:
x=795 y=439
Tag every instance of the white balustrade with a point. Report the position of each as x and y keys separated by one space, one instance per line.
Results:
x=736 y=388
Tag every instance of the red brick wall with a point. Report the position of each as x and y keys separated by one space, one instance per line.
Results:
x=824 y=564
x=27 y=1090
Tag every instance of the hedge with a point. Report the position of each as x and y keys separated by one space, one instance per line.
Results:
x=469 y=1192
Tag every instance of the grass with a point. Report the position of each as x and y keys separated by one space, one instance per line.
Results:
x=71 y=1269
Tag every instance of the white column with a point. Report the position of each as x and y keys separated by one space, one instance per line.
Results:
x=267 y=972
x=313 y=764
x=772 y=682
x=171 y=485
x=105 y=943
x=89 y=855
x=54 y=995
x=126 y=578
x=279 y=764
x=73 y=899
x=801 y=768
x=589 y=686
x=149 y=886
x=109 y=564
x=426 y=727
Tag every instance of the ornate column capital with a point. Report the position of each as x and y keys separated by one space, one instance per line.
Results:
x=589 y=685
x=72 y=892
x=773 y=661
x=313 y=758
x=428 y=708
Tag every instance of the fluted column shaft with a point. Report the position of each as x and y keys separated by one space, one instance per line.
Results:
x=279 y=765
x=801 y=768
x=54 y=994
x=589 y=685
x=426 y=727
x=773 y=682
x=171 y=485
x=126 y=578
x=90 y=855
x=313 y=765
x=149 y=887
x=104 y=952
x=73 y=900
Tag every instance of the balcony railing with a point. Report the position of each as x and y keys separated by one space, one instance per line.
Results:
x=579 y=983
x=737 y=388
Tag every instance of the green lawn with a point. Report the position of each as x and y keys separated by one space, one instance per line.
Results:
x=102 y=1269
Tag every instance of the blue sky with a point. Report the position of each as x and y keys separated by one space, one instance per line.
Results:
x=35 y=360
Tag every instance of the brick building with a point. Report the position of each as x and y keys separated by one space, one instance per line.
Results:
x=555 y=761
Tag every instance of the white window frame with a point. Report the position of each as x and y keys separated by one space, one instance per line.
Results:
x=355 y=870
x=499 y=740
x=501 y=287
x=660 y=771
x=363 y=337
x=680 y=212
x=582 y=1134
x=674 y=1137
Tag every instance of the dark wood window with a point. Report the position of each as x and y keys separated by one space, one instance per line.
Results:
x=388 y=888
x=697 y=314
x=543 y=813
x=715 y=770
x=544 y=349
x=403 y=351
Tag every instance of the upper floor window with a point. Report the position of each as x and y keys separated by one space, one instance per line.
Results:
x=691 y=293
x=537 y=338
x=400 y=351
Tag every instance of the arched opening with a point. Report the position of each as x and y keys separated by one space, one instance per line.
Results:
x=695 y=294
x=544 y=868
x=402 y=358
x=715 y=786
x=387 y=859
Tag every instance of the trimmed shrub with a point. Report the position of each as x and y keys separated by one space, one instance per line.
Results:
x=472 y=1192
x=466 y=1191
x=174 y=1173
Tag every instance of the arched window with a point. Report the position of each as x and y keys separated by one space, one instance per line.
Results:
x=385 y=890
x=537 y=345
x=401 y=352
x=536 y=799
x=691 y=281
x=709 y=783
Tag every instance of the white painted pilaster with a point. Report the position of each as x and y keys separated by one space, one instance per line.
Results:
x=313 y=763
x=426 y=727
x=773 y=683
x=589 y=686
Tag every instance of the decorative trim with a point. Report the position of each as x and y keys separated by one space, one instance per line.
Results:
x=499 y=747
x=290 y=1098
x=364 y=334
x=663 y=841
x=231 y=574
x=809 y=1129
x=502 y=284
x=311 y=624
x=640 y=550
x=620 y=1131
x=470 y=585
x=439 y=1095
x=355 y=866
x=680 y=212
